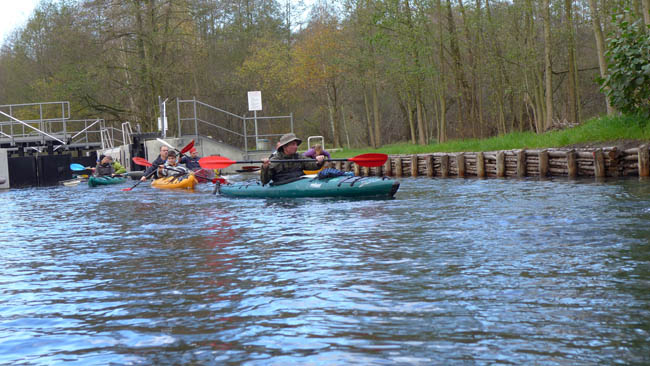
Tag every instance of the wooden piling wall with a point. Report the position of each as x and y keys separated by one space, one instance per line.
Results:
x=601 y=162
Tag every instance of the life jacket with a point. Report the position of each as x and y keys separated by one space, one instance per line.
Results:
x=104 y=169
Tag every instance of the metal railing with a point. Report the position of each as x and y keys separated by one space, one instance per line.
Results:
x=50 y=121
x=197 y=118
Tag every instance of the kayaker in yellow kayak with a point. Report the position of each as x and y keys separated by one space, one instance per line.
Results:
x=171 y=167
x=160 y=160
x=281 y=173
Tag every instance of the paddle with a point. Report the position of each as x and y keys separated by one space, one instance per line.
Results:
x=221 y=162
x=141 y=161
x=144 y=162
x=78 y=167
x=183 y=151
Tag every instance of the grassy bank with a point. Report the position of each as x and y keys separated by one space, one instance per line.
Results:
x=603 y=129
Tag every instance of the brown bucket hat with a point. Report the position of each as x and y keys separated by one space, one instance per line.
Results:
x=287 y=138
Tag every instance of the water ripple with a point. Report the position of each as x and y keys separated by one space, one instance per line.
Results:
x=452 y=272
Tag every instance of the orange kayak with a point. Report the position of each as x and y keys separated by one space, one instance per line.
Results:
x=183 y=182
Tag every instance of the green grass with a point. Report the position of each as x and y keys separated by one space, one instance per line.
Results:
x=600 y=129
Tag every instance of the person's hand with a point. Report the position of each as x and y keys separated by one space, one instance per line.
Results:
x=143 y=179
x=320 y=159
x=265 y=163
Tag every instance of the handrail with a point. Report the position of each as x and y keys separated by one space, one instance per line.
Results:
x=84 y=130
x=34 y=128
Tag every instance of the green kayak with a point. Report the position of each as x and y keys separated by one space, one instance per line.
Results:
x=104 y=181
x=343 y=186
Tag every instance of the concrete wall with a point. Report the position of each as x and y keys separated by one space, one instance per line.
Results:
x=4 y=168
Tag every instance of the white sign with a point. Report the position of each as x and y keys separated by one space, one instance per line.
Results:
x=160 y=125
x=254 y=100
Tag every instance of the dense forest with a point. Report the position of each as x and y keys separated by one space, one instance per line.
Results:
x=360 y=72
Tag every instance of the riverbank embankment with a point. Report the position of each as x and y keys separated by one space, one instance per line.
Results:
x=566 y=162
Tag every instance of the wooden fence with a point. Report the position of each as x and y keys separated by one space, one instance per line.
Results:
x=600 y=163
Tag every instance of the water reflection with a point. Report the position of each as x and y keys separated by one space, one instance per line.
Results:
x=450 y=272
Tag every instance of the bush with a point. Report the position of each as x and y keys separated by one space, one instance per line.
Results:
x=627 y=84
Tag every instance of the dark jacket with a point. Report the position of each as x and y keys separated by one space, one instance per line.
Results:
x=104 y=169
x=154 y=167
x=281 y=173
x=191 y=163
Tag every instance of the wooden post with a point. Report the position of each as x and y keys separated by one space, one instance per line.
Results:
x=613 y=168
x=366 y=171
x=388 y=168
x=357 y=170
x=414 y=165
x=480 y=164
x=444 y=165
x=338 y=165
x=501 y=164
x=378 y=171
x=428 y=159
x=398 y=167
x=460 y=162
x=543 y=163
x=644 y=161
x=346 y=166
x=599 y=164
x=521 y=163
x=572 y=164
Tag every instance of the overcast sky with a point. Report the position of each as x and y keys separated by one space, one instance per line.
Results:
x=14 y=13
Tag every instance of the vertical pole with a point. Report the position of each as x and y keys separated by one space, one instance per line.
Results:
x=460 y=162
x=444 y=166
x=256 y=133
x=429 y=162
x=414 y=165
x=398 y=167
x=11 y=125
x=571 y=164
x=521 y=163
x=480 y=164
x=178 y=114
x=291 y=117
x=196 y=122
x=543 y=163
x=388 y=168
x=599 y=164
x=501 y=164
x=243 y=120
x=644 y=161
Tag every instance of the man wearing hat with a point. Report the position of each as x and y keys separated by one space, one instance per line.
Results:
x=286 y=172
x=191 y=162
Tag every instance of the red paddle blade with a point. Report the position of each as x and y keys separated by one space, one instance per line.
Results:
x=141 y=161
x=127 y=189
x=370 y=159
x=188 y=147
x=215 y=162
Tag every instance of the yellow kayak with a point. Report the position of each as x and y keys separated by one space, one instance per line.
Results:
x=184 y=182
x=309 y=172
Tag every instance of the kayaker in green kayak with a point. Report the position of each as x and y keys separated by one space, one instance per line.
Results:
x=104 y=167
x=281 y=173
x=108 y=167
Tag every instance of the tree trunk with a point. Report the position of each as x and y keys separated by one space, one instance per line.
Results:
x=442 y=121
x=375 y=111
x=600 y=46
x=646 y=12
x=572 y=88
x=422 y=140
x=409 y=113
x=548 y=77
x=371 y=134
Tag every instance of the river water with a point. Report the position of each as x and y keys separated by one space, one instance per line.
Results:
x=450 y=272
